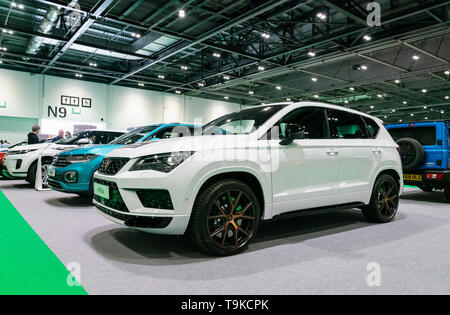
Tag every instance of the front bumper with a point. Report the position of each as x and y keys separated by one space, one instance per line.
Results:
x=18 y=165
x=84 y=173
x=438 y=183
x=128 y=209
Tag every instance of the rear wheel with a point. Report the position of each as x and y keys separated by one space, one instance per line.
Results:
x=447 y=192
x=225 y=218
x=384 y=201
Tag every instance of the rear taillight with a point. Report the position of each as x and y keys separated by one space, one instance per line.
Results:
x=437 y=176
x=399 y=151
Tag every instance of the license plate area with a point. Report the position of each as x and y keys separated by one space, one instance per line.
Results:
x=101 y=191
x=413 y=177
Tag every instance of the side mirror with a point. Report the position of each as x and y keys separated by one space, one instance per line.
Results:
x=293 y=132
x=83 y=141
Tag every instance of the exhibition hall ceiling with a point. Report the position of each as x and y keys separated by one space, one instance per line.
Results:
x=244 y=51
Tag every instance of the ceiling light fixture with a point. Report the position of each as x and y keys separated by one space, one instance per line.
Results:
x=265 y=35
x=217 y=55
x=447 y=97
x=397 y=81
x=316 y=96
x=312 y=54
x=424 y=91
x=261 y=68
x=201 y=84
x=251 y=92
x=226 y=77
x=352 y=89
x=141 y=84
x=278 y=88
x=364 y=67
x=78 y=75
x=178 y=91
x=161 y=77
x=226 y=97
x=405 y=102
x=321 y=16
x=367 y=38
x=314 y=79
x=182 y=13
x=447 y=72
x=415 y=57
x=184 y=68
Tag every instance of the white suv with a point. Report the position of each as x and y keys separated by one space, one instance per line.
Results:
x=249 y=166
x=21 y=161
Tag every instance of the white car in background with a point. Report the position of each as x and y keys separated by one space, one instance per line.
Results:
x=21 y=161
x=253 y=165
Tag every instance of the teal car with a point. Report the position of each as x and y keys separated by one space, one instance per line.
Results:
x=72 y=171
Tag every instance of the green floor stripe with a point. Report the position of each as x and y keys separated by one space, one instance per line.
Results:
x=27 y=265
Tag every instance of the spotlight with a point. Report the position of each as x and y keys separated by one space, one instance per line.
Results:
x=78 y=75
x=251 y=92
x=372 y=107
x=201 y=84
x=20 y=6
x=316 y=96
x=415 y=57
x=226 y=77
x=424 y=91
x=380 y=96
x=442 y=112
x=412 y=115
x=397 y=81
x=93 y=64
x=184 y=68
x=447 y=72
x=447 y=97
x=265 y=35
x=425 y=107
x=321 y=16
x=288 y=100
x=278 y=88
x=400 y=120
x=1 y=62
x=367 y=38
x=261 y=68
x=346 y=102
x=363 y=67
x=217 y=55
x=226 y=97
x=426 y=118
x=141 y=84
x=182 y=13
x=178 y=91
x=405 y=102
x=393 y=110
x=314 y=79
x=312 y=54
x=161 y=77
x=352 y=89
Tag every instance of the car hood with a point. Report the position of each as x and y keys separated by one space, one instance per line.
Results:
x=196 y=143
x=94 y=149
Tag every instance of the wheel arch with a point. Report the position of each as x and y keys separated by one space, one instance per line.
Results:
x=245 y=176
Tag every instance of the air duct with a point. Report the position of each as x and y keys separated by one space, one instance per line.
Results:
x=46 y=26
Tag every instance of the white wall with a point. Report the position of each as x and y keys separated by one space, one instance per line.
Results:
x=30 y=96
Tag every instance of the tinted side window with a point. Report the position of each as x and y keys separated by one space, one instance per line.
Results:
x=373 y=127
x=100 y=137
x=425 y=135
x=174 y=132
x=344 y=125
x=310 y=119
x=113 y=136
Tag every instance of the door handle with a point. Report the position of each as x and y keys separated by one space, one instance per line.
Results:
x=332 y=152
x=375 y=151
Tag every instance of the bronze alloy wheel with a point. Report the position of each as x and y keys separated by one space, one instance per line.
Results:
x=384 y=200
x=225 y=217
x=387 y=200
x=231 y=219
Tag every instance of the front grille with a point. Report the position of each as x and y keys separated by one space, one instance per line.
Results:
x=60 y=161
x=115 y=200
x=111 y=166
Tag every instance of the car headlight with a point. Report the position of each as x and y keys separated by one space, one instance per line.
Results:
x=163 y=162
x=81 y=158
x=18 y=152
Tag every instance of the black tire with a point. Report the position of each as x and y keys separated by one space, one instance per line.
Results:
x=447 y=193
x=383 y=204
x=412 y=153
x=207 y=219
x=31 y=178
x=426 y=188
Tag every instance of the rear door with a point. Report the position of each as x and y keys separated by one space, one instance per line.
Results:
x=358 y=155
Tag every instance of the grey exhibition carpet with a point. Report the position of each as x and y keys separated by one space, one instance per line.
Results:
x=320 y=254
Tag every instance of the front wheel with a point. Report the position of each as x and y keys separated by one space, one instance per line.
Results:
x=225 y=218
x=384 y=202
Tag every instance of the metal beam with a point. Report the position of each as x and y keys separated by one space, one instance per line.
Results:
x=337 y=6
x=183 y=45
x=425 y=52
x=85 y=26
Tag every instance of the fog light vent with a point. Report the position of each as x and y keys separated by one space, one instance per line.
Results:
x=71 y=177
x=155 y=198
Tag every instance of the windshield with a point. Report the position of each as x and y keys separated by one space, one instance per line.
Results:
x=134 y=136
x=243 y=122
x=74 y=139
